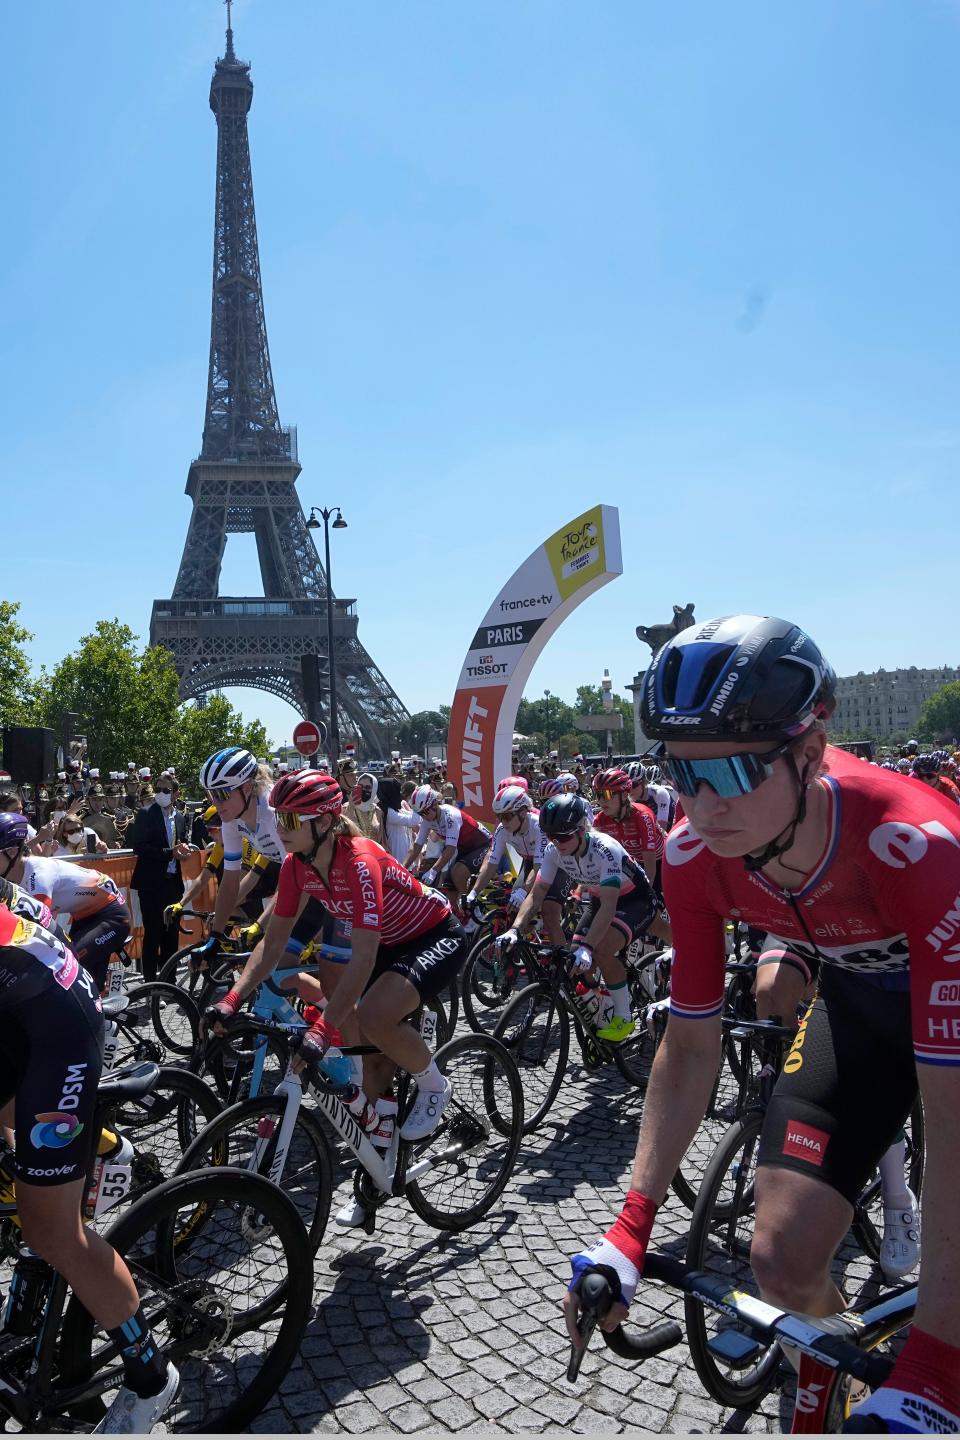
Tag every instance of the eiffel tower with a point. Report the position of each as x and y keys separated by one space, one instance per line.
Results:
x=245 y=480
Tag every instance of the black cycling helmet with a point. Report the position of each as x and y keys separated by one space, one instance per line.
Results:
x=738 y=677
x=562 y=814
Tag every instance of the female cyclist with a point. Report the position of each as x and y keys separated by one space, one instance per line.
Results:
x=847 y=866
x=51 y=1049
x=406 y=944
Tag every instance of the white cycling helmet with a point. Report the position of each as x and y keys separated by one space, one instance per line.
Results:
x=569 y=782
x=227 y=769
x=424 y=798
x=511 y=800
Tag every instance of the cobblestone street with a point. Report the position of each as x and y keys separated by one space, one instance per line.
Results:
x=418 y=1330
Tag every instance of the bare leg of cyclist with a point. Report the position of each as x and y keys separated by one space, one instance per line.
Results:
x=50 y=1217
x=383 y=1011
x=800 y=1224
x=619 y=1026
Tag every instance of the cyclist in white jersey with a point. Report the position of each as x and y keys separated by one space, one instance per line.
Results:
x=619 y=909
x=239 y=788
x=520 y=829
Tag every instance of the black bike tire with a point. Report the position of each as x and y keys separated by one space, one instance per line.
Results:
x=217 y=1134
x=193 y=1092
x=157 y=990
x=441 y=1220
x=532 y=993
x=296 y=1291
x=211 y=1061
x=468 y=997
x=744 y=1131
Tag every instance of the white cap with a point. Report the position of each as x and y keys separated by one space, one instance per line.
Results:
x=144 y=772
x=131 y=764
x=94 y=773
x=61 y=774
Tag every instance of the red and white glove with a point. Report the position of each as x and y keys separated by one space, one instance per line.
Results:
x=623 y=1248
x=314 y=1043
x=224 y=1010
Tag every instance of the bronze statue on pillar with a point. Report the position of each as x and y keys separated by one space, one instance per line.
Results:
x=657 y=635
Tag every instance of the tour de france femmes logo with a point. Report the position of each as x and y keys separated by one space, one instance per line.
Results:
x=54 y=1130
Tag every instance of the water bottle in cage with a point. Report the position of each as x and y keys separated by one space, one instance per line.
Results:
x=112 y=1175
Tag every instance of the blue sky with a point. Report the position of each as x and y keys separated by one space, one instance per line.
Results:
x=700 y=262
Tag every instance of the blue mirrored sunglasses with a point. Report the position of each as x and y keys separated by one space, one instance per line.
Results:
x=727 y=775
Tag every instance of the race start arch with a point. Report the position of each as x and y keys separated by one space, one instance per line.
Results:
x=538 y=597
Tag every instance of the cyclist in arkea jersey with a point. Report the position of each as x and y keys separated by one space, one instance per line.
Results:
x=51 y=1053
x=406 y=944
x=635 y=828
x=847 y=866
x=99 y=920
x=619 y=909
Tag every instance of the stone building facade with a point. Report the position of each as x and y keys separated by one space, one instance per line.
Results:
x=886 y=702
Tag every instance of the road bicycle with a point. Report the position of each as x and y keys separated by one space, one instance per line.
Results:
x=225 y=1276
x=490 y=975
x=721 y=1228
x=536 y=1024
x=843 y=1347
x=451 y=1179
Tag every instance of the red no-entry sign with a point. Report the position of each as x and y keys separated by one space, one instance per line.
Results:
x=307 y=737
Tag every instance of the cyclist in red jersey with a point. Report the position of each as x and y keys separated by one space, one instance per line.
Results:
x=635 y=827
x=862 y=874
x=406 y=946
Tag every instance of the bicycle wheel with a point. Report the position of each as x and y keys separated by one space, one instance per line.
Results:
x=160 y=1023
x=232 y=1138
x=227 y=1062
x=161 y=1125
x=867 y=1223
x=535 y=1028
x=470 y=1158
x=229 y=1310
x=487 y=981
x=733 y=1367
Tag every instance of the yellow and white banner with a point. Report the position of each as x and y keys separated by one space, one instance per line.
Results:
x=570 y=565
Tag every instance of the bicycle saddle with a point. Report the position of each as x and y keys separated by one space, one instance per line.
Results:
x=130 y=1083
x=114 y=1005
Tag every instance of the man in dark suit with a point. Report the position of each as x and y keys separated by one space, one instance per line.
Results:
x=159 y=843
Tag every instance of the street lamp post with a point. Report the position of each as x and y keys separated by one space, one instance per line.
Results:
x=339 y=524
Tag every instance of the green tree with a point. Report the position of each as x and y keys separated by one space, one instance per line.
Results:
x=940 y=714
x=129 y=705
x=422 y=729
x=16 y=684
x=127 y=698
x=200 y=730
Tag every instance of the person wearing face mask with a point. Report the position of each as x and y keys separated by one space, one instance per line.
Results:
x=159 y=842
x=98 y=919
x=363 y=810
x=73 y=838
